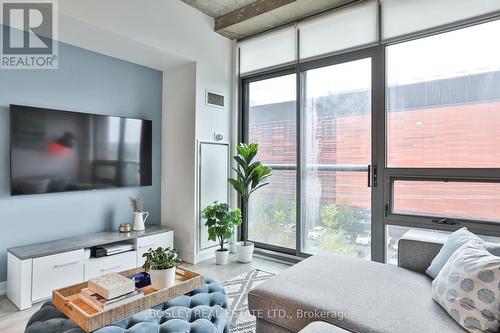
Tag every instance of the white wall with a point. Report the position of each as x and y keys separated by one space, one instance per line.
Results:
x=178 y=187
x=176 y=38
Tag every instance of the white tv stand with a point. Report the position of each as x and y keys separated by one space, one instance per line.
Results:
x=33 y=271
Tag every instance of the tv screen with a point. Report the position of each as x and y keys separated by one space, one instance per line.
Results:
x=58 y=151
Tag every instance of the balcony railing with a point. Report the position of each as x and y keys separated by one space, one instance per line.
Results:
x=321 y=167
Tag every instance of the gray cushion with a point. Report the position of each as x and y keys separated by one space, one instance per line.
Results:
x=203 y=310
x=454 y=241
x=416 y=253
x=322 y=327
x=375 y=297
x=262 y=326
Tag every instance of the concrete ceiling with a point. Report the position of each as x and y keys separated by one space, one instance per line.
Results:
x=236 y=19
x=217 y=8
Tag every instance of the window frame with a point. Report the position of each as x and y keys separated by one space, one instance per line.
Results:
x=489 y=228
x=377 y=100
x=244 y=84
x=382 y=213
x=391 y=174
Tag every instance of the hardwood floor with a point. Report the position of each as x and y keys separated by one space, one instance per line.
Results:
x=233 y=268
x=14 y=321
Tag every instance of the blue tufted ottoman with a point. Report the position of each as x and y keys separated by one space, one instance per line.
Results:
x=203 y=310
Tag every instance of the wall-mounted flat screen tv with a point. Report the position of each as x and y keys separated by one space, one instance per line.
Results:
x=59 y=151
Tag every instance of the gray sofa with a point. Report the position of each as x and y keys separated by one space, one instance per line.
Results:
x=356 y=295
x=322 y=327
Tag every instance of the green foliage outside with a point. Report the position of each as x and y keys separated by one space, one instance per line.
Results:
x=220 y=221
x=337 y=218
x=283 y=211
x=273 y=220
x=335 y=241
x=160 y=258
x=338 y=221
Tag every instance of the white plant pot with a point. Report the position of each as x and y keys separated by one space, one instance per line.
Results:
x=161 y=279
x=140 y=220
x=244 y=253
x=221 y=257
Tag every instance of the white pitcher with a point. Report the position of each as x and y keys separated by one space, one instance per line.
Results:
x=140 y=220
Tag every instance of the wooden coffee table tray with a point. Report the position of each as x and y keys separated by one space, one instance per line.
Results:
x=68 y=301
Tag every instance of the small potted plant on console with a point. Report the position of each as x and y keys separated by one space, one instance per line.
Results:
x=221 y=222
x=161 y=264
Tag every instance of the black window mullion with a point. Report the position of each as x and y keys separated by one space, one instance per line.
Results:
x=378 y=154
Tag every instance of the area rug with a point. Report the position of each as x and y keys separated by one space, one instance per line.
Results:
x=237 y=289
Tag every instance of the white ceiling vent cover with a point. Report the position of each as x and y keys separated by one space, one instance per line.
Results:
x=215 y=99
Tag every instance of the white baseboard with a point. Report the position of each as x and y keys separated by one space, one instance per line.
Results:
x=205 y=255
x=3 y=288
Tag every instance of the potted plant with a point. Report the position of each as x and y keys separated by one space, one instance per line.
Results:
x=161 y=264
x=251 y=175
x=220 y=223
x=137 y=205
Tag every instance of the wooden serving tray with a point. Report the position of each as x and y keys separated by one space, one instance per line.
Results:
x=89 y=319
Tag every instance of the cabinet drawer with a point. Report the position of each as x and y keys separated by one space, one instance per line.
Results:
x=112 y=264
x=54 y=272
x=165 y=239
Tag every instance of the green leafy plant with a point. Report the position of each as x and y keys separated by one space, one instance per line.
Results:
x=221 y=222
x=346 y=217
x=337 y=217
x=251 y=175
x=161 y=258
x=335 y=241
x=137 y=204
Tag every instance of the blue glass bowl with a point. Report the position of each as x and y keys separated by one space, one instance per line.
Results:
x=141 y=279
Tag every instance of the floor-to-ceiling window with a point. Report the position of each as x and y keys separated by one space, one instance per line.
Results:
x=443 y=116
x=337 y=152
x=272 y=124
x=369 y=144
x=317 y=200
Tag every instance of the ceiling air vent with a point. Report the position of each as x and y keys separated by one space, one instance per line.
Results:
x=214 y=99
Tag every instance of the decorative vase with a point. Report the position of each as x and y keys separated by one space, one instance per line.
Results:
x=244 y=253
x=163 y=278
x=139 y=220
x=221 y=257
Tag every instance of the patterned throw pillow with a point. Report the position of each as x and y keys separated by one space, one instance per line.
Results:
x=468 y=288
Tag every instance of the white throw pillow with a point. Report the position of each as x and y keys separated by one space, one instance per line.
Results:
x=468 y=288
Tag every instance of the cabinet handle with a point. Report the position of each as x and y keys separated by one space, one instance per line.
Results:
x=146 y=246
x=67 y=264
x=110 y=268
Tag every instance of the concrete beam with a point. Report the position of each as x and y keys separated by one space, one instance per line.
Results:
x=257 y=8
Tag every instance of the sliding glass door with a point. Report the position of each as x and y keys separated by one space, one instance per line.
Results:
x=319 y=196
x=336 y=157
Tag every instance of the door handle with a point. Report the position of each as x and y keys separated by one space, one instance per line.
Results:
x=369 y=175
x=149 y=246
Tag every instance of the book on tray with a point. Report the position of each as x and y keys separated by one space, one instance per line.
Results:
x=111 y=285
x=100 y=303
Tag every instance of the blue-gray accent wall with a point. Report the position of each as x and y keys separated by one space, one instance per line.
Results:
x=86 y=82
